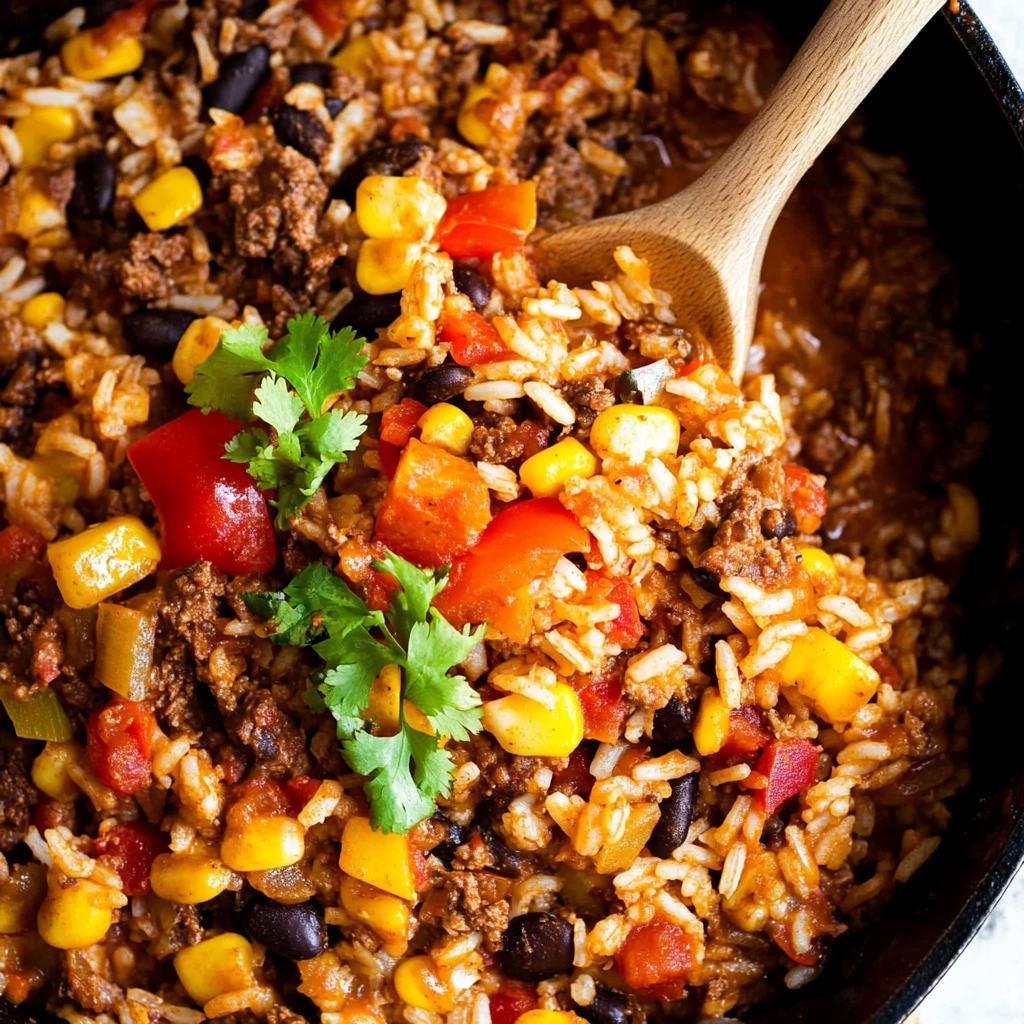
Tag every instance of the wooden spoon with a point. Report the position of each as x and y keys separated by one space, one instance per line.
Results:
x=705 y=245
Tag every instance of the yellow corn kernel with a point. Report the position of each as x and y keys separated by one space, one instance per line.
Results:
x=711 y=726
x=196 y=345
x=386 y=264
x=548 y=1017
x=264 y=843
x=469 y=123
x=525 y=726
x=620 y=854
x=40 y=129
x=50 y=770
x=77 y=915
x=91 y=59
x=37 y=213
x=447 y=427
x=357 y=57
x=385 y=693
x=820 y=568
x=387 y=915
x=421 y=983
x=189 y=878
x=546 y=472
x=377 y=859
x=398 y=207
x=829 y=674
x=635 y=433
x=124 y=649
x=215 y=966
x=169 y=199
x=102 y=560
x=20 y=897
x=42 y=310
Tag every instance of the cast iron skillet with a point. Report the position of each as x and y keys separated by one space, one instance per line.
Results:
x=953 y=110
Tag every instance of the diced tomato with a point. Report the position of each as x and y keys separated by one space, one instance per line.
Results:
x=269 y=96
x=210 y=509
x=123 y=24
x=258 y=797
x=887 y=669
x=807 y=496
x=575 y=777
x=510 y=1003
x=46 y=658
x=747 y=735
x=604 y=710
x=789 y=766
x=436 y=506
x=689 y=367
x=328 y=14
x=131 y=847
x=473 y=339
x=118 y=744
x=398 y=422
x=420 y=870
x=554 y=80
x=822 y=918
x=655 y=954
x=389 y=456
x=19 y=983
x=626 y=628
x=482 y=224
x=300 y=791
x=49 y=813
x=521 y=544
x=20 y=544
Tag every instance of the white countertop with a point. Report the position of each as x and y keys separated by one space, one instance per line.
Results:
x=986 y=985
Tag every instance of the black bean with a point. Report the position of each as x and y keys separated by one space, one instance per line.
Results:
x=200 y=168
x=676 y=815
x=455 y=836
x=673 y=723
x=578 y=559
x=293 y=930
x=507 y=861
x=250 y=10
x=777 y=523
x=392 y=159
x=302 y=130
x=335 y=105
x=472 y=285
x=607 y=1007
x=771 y=831
x=707 y=579
x=155 y=332
x=95 y=181
x=240 y=76
x=303 y=1006
x=317 y=72
x=537 y=946
x=367 y=312
x=442 y=382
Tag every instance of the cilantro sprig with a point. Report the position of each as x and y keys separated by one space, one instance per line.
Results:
x=288 y=388
x=407 y=771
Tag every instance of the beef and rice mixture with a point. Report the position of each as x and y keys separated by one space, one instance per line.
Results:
x=718 y=679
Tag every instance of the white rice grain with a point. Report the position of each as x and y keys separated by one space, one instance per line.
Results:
x=550 y=402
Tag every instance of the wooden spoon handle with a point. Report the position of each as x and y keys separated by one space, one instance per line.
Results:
x=852 y=46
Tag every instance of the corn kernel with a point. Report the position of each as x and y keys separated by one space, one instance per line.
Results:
x=546 y=472
x=76 y=913
x=102 y=560
x=357 y=57
x=20 y=897
x=37 y=213
x=830 y=675
x=385 y=693
x=40 y=129
x=820 y=568
x=264 y=843
x=91 y=58
x=385 y=265
x=548 y=1017
x=398 y=207
x=169 y=199
x=635 y=433
x=469 y=123
x=421 y=983
x=42 y=310
x=189 y=878
x=215 y=966
x=525 y=726
x=711 y=727
x=50 y=770
x=196 y=345
x=447 y=427
x=387 y=915
x=377 y=859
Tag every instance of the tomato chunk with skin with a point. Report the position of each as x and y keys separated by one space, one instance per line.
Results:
x=209 y=509
x=604 y=710
x=789 y=766
x=747 y=738
x=300 y=791
x=521 y=544
x=510 y=1003
x=328 y=14
x=436 y=506
x=398 y=423
x=807 y=496
x=655 y=954
x=131 y=847
x=482 y=224
x=575 y=777
x=626 y=628
x=118 y=744
x=20 y=544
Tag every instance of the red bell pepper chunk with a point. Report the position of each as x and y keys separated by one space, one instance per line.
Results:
x=20 y=544
x=575 y=777
x=789 y=766
x=508 y=1005
x=210 y=509
x=482 y=224
x=521 y=544
x=807 y=496
x=118 y=744
x=328 y=14
x=435 y=508
x=604 y=710
x=655 y=955
x=473 y=339
x=131 y=847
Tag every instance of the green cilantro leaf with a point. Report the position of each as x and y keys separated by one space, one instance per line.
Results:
x=277 y=404
x=225 y=381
